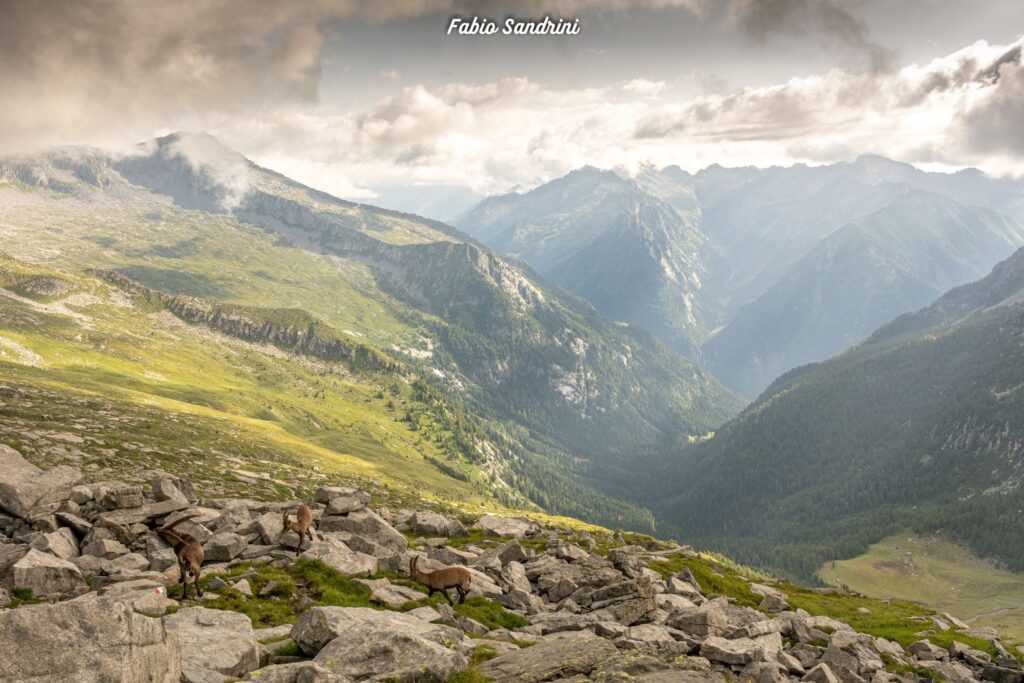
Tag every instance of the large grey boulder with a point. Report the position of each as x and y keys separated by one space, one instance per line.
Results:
x=318 y=626
x=371 y=645
x=368 y=524
x=341 y=500
x=342 y=559
x=224 y=547
x=435 y=524
x=46 y=575
x=214 y=640
x=296 y=672
x=87 y=640
x=269 y=526
x=516 y=527
x=707 y=620
x=393 y=595
x=550 y=660
x=26 y=490
x=742 y=651
x=147 y=512
x=61 y=543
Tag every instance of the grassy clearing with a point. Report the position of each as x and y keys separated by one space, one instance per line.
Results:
x=309 y=583
x=937 y=573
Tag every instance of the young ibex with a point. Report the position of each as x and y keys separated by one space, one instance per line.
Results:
x=189 y=552
x=304 y=520
x=441 y=580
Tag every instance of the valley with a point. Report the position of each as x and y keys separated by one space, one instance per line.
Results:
x=940 y=574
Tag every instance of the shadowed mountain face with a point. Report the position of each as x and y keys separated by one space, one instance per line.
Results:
x=601 y=236
x=756 y=271
x=563 y=389
x=919 y=426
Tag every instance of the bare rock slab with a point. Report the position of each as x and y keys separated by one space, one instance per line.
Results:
x=214 y=640
x=26 y=490
x=87 y=641
x=563 y=658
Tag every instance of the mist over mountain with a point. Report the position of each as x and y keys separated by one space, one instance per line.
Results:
x=537 y=386
x=755 y=271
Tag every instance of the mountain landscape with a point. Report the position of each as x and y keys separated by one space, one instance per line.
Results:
x=753 y=272
x=647 y=341
x=916 y=427
x=363 y=333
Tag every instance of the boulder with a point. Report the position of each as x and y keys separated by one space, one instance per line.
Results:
x=296 y=672
x=104 y=549
x=26 y=490
x=224 y=547
x=269 y=526
x=707 y=620
x=61 y=543
x=773 y=603
x=147 y=512
x=516 y=527
x=549 y=660
x=368 y=524
x=341 y=500
x=368 y=644
x=926 y=650
x=821 y=674
x=342 y=559
x=214 y=640
x=434 y=524
x=1000 y=674
x=80 y=526
x=742 y=651
x=124 y=497
x=46 y=575
x=87 y=641
x=318 y=626
x=386 y=593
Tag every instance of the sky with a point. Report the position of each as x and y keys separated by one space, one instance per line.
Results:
x=356 y=96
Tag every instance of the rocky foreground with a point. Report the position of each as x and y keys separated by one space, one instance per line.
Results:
x=590 y=613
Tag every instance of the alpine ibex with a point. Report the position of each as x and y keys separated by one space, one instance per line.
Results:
x=443 y=579
x=189 y=552
x=302 y=525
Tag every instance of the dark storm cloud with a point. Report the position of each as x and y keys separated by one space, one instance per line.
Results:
x=995 y=124
x=830 y=21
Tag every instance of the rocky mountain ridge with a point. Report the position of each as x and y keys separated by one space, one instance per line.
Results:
x=546 y=604
x=754 y=271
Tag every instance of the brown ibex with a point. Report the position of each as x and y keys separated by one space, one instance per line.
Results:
x=441 y=580
x=301 y=525
x=189 y=552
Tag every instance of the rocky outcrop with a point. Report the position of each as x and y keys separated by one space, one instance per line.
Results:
x=213 y=641
x=86 y=640
x=26 y=490
x=367 y=644
x=602 y=615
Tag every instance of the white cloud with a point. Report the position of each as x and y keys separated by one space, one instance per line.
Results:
x=513 y=133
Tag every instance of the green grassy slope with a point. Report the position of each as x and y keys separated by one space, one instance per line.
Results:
x=918 y=427
x=544 y=390
x=939 y=574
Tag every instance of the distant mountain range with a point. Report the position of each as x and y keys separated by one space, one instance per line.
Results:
x=756 y=271
x=522 y=387
x=920 y=426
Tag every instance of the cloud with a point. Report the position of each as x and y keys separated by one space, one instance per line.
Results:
x=73 y=71
x=513 y=133
x=831 y=21
x=993 y=121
